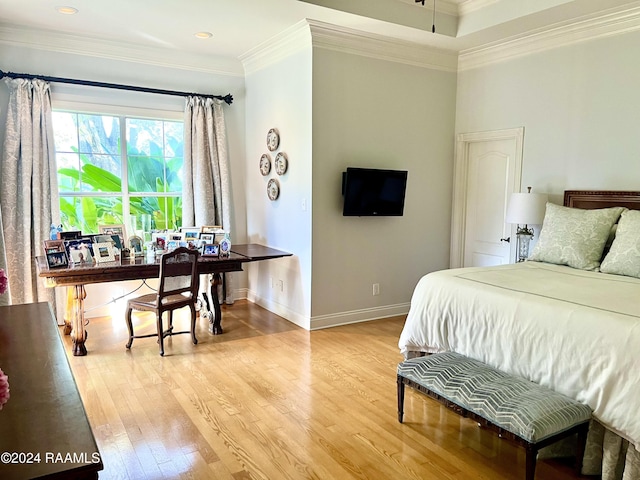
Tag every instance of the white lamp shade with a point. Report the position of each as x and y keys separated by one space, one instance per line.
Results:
x=526 y=208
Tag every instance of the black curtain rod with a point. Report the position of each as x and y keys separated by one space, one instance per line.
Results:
x=228 y=98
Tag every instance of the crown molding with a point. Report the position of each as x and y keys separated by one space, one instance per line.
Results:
x=308 y=33
x=292 y=40
x=470 y=6
x=356 y=42
x=548 y=38
x=46 y=40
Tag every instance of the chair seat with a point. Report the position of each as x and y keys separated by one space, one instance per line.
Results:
x=148 y=302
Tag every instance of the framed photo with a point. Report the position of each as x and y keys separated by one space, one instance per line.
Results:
x=172 y=244
x=175 y=237
x=70 y=235
x=114 y=230
x=210 y=250
x=135 y=245
x=52 y=246
x=103 y=252
x=57 y=259
x=160 y=239
x=210 y=228
x=190 y=234
x=207 y=238
x=79 y=251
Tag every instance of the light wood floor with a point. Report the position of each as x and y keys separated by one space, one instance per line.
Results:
x=268 y=400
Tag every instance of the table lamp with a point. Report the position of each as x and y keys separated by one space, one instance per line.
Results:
x=525 y=209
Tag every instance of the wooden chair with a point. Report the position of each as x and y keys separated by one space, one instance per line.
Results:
x=179 y=282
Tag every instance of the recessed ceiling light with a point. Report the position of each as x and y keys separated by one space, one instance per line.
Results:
x=67 y=10
x=203 y=35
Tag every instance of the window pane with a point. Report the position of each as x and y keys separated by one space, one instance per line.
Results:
x=68 y=172
x=165 y=212
x=99 y=134
x=154 y=155
x=146 y=174
x=65 y=131
x=174 y=139
x=86 y=213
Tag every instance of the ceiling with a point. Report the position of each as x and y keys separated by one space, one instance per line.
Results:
x=238 y=26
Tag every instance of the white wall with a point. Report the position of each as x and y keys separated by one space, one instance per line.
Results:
x=579 y=104
x=369 y=112
x=279 y=96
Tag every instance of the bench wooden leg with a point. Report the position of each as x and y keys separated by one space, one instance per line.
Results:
x=400 y=399
x=582 y=443
x=530 y=461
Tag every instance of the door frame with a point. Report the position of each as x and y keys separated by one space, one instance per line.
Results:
x=460 y=177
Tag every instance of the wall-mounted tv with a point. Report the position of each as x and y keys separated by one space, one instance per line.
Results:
x=373 y=192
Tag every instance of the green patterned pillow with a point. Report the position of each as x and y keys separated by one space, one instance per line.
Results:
x=573 y=236
x=624 y=256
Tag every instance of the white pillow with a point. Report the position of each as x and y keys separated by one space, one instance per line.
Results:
x=624 y=256
x=573 y=236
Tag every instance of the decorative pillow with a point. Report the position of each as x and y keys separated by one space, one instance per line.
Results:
x=573 y=236
x=624 y=256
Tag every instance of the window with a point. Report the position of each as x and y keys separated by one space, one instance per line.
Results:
x=118 y=170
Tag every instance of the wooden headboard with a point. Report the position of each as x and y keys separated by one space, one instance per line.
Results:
x=590 y=199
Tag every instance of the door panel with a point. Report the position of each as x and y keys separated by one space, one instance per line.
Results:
x=488 y=170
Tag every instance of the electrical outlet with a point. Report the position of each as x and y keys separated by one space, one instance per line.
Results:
x=281 y=285
x=376 y=289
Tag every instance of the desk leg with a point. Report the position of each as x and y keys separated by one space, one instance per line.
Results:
x=78 y=334
x=68 y=311
x=215 y=326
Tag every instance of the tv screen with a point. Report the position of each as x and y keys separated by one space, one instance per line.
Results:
x=373 y=192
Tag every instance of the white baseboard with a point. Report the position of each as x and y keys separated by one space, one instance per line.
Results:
x=357 y=316
x=326 y=321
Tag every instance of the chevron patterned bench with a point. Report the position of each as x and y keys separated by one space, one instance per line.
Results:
x=529 y=414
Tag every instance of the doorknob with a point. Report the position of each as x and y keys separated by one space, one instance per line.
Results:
x=508 y=239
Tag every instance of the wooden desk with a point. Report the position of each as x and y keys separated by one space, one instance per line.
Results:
x=77 y=276
x=44 y=420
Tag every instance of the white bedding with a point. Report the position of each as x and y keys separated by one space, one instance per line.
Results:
x=573 y=331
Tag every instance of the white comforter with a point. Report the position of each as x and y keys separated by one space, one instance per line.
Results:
x=573 y=331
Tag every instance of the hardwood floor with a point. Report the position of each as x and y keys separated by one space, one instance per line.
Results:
x=268 y=400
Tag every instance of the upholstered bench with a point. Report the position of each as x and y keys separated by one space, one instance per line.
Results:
x=522 y=411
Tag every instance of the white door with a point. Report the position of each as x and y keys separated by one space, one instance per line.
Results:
x=488 y=170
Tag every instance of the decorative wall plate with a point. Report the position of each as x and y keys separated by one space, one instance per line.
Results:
x=273 y=189
x=273 y=139
x=281 y=163
x=265 y=164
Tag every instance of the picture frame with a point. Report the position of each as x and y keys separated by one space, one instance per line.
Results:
x=160 y=239
x=103 y=252
x=210 y=250
x=79 y=251
x=172 y=244
x=190 y=234
x=69 y=235
x=57 y=259
x=206 y=238
x=136 y=246
x=210 y=228
x=53 y=246
x=118 y=230
x=175 y=237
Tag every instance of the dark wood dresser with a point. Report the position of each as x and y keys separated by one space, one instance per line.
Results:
x=44 y=430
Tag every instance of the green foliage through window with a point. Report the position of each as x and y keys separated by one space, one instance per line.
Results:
x=90 y=163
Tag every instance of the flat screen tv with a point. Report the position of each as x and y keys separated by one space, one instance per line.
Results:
x=372 y=192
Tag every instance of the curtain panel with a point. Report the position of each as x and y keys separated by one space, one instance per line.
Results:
x=206 y=189
x=28 y=187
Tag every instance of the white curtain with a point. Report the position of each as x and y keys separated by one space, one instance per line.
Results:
x=206 y=190
x=28 y=188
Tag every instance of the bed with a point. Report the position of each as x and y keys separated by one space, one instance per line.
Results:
x=569 y=318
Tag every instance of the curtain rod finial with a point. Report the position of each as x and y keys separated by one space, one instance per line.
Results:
x=228 y=98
